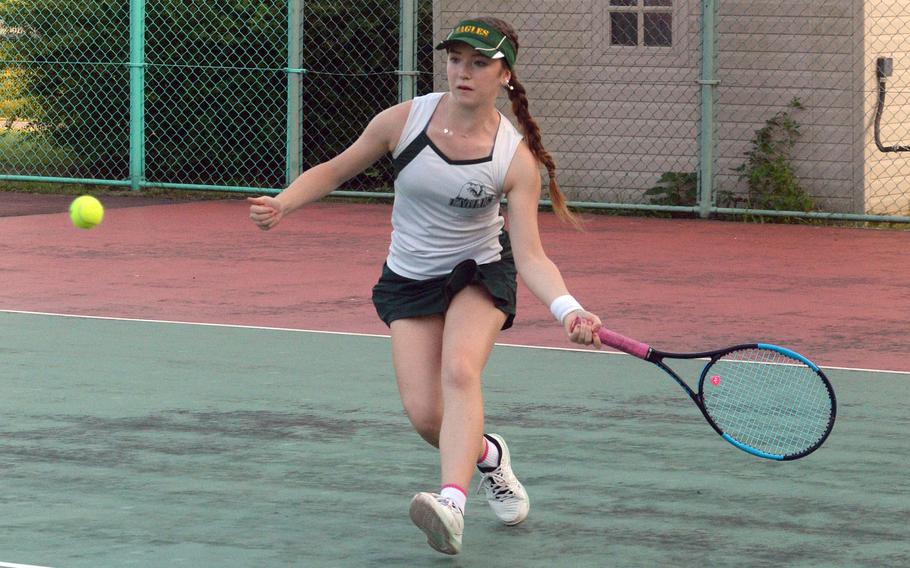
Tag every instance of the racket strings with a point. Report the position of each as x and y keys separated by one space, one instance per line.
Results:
x=768 y=400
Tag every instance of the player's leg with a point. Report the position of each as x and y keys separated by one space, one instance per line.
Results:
x=416 y=350
x=442 y=396
x=472 y=325
x=417 y=356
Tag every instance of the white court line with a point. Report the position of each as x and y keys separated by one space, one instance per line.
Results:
x=297 y=330
x=11 y=565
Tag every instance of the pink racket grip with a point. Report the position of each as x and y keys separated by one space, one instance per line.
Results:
x=623 y=343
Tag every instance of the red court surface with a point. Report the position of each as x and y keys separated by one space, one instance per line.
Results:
x=838 y=295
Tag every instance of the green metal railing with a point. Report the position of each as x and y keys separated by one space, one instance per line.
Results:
x=708 y=93
x=244 y=96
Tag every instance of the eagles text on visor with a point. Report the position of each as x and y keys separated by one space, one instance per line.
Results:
x=485 y=39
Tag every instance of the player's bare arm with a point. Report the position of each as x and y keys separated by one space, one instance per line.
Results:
x=378 y=138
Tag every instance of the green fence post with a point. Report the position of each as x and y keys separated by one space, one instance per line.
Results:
x=708 y=87
x=137 y=94
x=295 y=90
x=407 y=57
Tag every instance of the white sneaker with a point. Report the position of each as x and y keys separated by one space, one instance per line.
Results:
x=440 y=519
x=505 y=494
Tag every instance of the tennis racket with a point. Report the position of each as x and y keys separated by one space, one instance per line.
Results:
x=766 y=400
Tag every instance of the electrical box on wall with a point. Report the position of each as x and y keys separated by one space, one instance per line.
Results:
x=884 y=67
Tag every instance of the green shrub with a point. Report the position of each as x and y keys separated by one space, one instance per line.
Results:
x=768 y=170
x=27 y=153
x=674 y=188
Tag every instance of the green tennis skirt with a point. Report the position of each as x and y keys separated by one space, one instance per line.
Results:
x=397 y=297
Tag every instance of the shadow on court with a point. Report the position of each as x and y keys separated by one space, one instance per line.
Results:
x=151 y=444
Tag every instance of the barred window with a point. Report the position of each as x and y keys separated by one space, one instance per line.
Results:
x=646 y=23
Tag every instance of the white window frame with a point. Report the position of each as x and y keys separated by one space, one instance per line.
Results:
x=640 y=10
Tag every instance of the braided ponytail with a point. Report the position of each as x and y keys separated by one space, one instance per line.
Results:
x=531 y=130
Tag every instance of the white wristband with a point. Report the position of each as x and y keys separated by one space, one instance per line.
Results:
x=563 y=306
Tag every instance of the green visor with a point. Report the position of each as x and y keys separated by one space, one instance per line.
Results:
x=485 y=39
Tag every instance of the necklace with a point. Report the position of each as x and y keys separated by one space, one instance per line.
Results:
x=445 y=129
x=449 y=132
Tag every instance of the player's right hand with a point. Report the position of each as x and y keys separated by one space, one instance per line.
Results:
x=265 y=211
x=581 y=327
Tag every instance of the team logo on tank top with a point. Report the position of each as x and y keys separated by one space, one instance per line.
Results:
x=473 y=195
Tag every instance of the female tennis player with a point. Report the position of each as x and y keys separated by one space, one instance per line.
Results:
x=448 y=285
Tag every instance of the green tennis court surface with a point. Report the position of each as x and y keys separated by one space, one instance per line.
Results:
x=130 y=443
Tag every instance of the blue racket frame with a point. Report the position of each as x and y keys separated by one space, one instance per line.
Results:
x=656 y=356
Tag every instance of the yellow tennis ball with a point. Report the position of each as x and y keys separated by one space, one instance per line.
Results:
x=86 y=212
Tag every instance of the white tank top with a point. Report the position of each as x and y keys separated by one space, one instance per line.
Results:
x=445 y=211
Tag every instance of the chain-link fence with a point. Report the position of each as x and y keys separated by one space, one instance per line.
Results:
x=806 y=73
x=236 y=95
x=614 y=88
x=727 y=106
x=64 y=95
x=696 y=106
